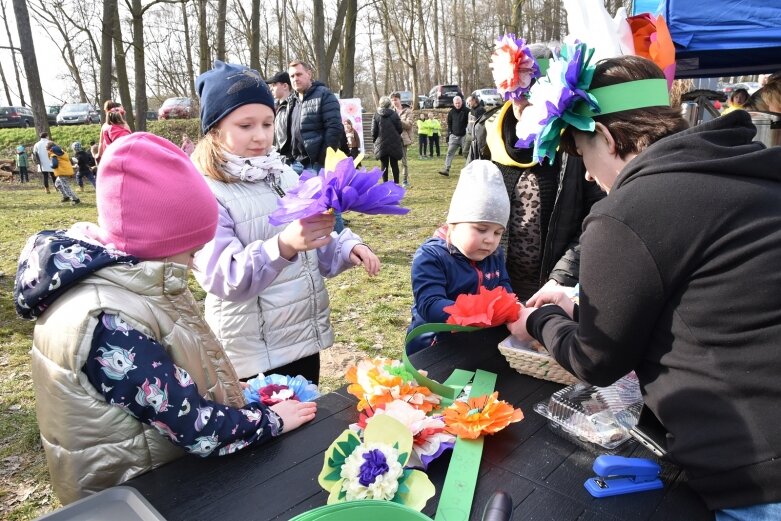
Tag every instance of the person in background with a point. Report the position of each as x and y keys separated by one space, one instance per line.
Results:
x=84 y=165
x=407 y=124
x=737 y=99
x=281 y=90
x=386 y=133
x=353 y=139
x=314 y=123
x=63 y=169
x=188 y=147
x=457 y=119
x=267 y=301
x=423 y=135
x=463 y=255
x=41 y=157
x=771 y=93
x=668 y=258
x=476 y=111
x=127 y=376
x=114 y=128
x=434 y=129
x=22 y=163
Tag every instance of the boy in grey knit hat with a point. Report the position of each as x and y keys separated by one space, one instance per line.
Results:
x=465 y=254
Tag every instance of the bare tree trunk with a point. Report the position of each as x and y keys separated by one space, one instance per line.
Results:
x=30 y=65
x=5 y=86
x=222 y=9
x=426 y=77
x=138 y=64
x=106 y=41
x=121 y=68
x=188 y=51
x=348 y=59
x=517 y=23
x=373 y=63
x=437 y=63
x=13 y=55
x=203 y=40
x=336 y=37
x=280 y=48
x=318 y=37
x=254 y=51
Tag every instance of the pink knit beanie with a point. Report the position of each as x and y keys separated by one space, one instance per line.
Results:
x=152 y=202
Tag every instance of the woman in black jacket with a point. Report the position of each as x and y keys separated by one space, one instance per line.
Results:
x=386 y=133
x=680 y=282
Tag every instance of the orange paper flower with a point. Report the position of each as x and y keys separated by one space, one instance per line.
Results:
x=490 y=307
x=653 y=41
x=480 y=416
x=381 y=380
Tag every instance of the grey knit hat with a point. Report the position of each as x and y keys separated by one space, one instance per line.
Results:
x=480 y=196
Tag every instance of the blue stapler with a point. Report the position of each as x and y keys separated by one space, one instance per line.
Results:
x=618 y=475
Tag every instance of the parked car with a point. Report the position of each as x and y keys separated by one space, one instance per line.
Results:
x=422 y=100
x=489 y=97
x=78 y=114
x=177 y=108
x=442 y=95
x=151 y=115
x=16 y=117
x=51 y=114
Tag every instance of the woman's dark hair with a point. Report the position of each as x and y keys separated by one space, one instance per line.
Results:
x=637 y=129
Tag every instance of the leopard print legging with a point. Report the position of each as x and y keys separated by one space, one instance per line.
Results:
x=524 y=237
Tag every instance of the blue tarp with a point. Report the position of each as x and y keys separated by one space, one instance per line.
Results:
x=721 y=37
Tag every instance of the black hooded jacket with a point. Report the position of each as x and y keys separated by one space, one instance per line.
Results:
x=680 y=280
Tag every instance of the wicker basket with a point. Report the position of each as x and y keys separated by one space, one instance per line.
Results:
x=525 y=360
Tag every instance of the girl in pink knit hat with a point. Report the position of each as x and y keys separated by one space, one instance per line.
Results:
x=267 y=301
x=127 y=375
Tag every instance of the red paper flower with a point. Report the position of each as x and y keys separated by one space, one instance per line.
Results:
x=489 y=308
x=273 y=394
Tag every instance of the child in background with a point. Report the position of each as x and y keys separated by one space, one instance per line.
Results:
x=22 y=164
x=114 y=128
x=267 y=301
x=125 y=371
x=423 y=133
x=353 y=139
x=63 y=169
x=464 y=254
x=84 y=165
x=435 y=129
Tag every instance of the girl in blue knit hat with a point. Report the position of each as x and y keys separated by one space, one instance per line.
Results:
x=267 y=301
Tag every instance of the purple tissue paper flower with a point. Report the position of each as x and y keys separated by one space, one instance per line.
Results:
x=375 y=465
x=344 y=189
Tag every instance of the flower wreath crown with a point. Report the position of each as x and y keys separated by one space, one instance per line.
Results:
x=563 y=97
x=513 y=67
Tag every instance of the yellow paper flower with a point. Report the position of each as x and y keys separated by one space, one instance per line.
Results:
x=480 y=416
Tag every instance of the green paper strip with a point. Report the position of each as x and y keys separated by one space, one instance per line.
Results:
x=456 y=382
x=455 y=501
x=544 y=65
x=626 y=96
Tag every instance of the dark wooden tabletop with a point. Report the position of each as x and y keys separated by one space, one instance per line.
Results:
x=543 y=472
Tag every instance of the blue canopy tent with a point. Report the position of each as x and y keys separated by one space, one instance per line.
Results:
x=721 y=37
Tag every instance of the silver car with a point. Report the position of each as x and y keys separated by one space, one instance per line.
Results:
x=78 y=114
x=488 y=97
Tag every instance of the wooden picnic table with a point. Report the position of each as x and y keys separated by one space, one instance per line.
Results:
x=543 y=472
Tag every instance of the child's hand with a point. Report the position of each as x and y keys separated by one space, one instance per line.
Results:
x=306 y=234
x=294 y=413
x=518 y=328
x=361 y=254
